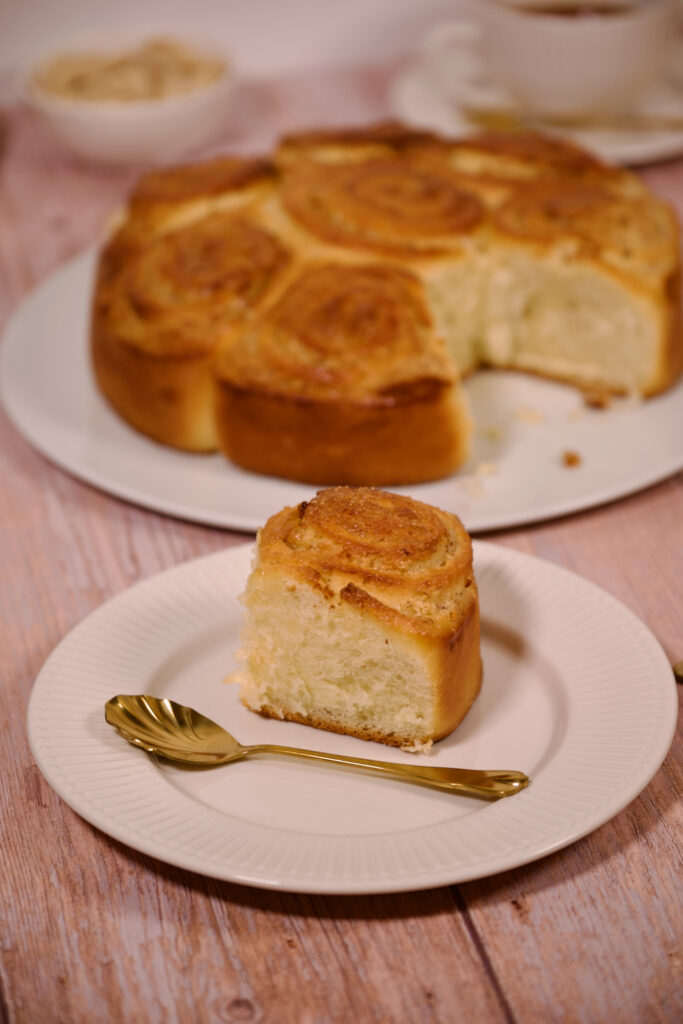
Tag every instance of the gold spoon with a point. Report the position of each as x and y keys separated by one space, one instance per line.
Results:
x=185 y=736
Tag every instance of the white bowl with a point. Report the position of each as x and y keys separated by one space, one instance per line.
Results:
x=136 y=131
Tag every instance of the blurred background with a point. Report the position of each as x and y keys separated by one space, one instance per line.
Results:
x=265 y=36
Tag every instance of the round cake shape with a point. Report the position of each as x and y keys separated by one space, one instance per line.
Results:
x=532 y=254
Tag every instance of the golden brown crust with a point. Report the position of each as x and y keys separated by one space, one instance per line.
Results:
x=402 y=563
x=670 y=363
x=201 y=180
x=385 y=443
x=172 y=198
x=340 y=331
x=392 y=135
x=386 y=205
x=160 y=198
x=509 y=158
x=160 y=315
x=418 y=206
x=489 y=163
x=402 y=560
x=632 y=236
x=350 y=144
x=343 y=378
x=169 y=400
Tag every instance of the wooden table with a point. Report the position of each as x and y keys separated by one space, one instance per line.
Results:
x=94 y=931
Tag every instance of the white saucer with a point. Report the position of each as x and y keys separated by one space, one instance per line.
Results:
x=416 y=100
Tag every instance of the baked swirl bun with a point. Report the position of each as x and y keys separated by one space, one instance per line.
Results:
x=155 y=333
x=395 y=207
x=362 y=617
x=587 y=288
x=315 y=311
x=516 y=158
x=347 y=354
x=167 y=198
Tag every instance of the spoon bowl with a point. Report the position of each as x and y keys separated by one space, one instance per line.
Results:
x=186 y=737
x=172 y=730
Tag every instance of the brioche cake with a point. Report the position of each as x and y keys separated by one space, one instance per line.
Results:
x=362 y=617
x=312 y=314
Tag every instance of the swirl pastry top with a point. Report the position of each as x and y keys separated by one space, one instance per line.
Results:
x=362 y=617
x=159 y=195
x=187 y=287
x=349 y=145
x=388 y=205
x=632 y=235
x=172 y=198
x=411 y=557
x=340 y=331
x=192 y=181
x=512 y=158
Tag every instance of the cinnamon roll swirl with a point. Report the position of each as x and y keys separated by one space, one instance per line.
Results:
x=162 y=201
x=343 y=378
x=363 y=618
x=158 y=322
x=510 y=158
x=633 y=236
x=393 y=206
x=165 y=199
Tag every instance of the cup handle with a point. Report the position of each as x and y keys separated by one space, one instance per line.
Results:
x=459 y=42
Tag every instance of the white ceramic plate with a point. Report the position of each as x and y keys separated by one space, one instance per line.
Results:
x=515 y=475
x=577 y=693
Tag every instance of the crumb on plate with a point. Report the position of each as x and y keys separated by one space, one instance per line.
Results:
x=527 y=414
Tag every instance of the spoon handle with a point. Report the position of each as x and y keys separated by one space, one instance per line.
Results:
x=471 y=781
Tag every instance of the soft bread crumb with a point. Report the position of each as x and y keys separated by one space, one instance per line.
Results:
x=473 y=487
x=626 y=403
x=362 y=618
x=418 y=748
x=527 y=414
x=491 y=433
x=597 y=399
x=571 y=458
x=489 y=468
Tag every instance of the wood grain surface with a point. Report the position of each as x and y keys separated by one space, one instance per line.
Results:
x=91 y=931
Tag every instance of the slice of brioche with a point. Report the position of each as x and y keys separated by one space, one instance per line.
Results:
x=362 y=617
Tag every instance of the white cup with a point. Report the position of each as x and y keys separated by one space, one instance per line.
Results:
x=551 y=61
